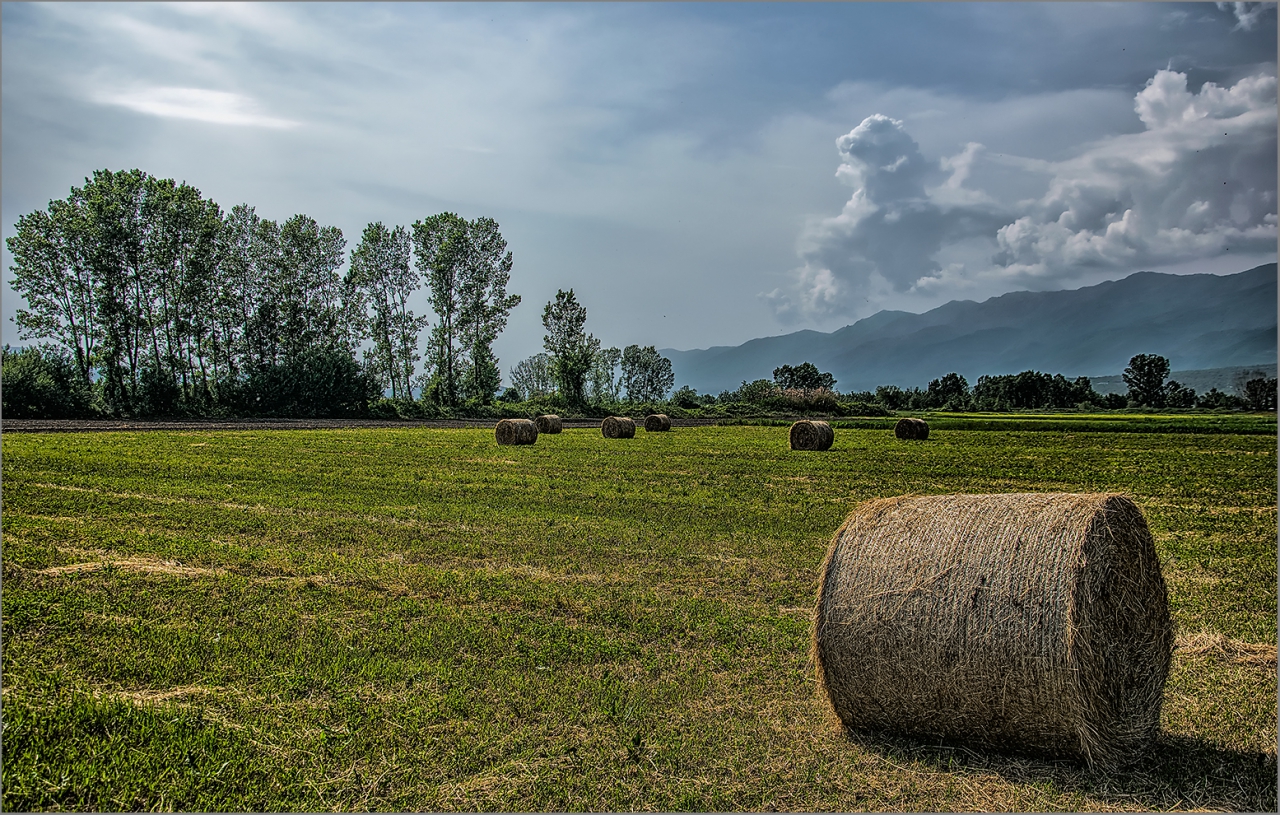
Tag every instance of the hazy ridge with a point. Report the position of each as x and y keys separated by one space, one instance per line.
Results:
x=1199 y=322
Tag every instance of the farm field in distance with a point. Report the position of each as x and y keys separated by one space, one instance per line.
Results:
x=419 y=619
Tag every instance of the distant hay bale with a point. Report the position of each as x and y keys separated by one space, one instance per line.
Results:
x=811 y=435
x=657 y=422
x=911 y=429
x=1026 y=621
x=516 y=431
x=618 y=427
x=550 y=423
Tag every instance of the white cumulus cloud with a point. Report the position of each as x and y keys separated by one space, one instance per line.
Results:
x=1198 y=181
x=890 y=230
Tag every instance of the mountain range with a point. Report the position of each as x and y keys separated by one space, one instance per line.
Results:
x=1197 y=321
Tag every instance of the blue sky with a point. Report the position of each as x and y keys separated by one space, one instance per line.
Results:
x=700 y=174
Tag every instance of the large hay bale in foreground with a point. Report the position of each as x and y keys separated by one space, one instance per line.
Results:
x=911 y=429
x=549 y=423
x=812 y=435
x=516 y=431
x=657 y=423
x=1025 y=621
x=618 y=427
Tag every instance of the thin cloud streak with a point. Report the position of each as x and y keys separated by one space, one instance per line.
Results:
x=197 y=104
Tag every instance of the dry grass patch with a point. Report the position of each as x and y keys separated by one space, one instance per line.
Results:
x=1209 y=643
x=133 y=564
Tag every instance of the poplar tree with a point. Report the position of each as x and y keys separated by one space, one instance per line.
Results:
x=383 y=279
x=440 y=250
x=485 y=305
x=572 y=350
x=467 y=268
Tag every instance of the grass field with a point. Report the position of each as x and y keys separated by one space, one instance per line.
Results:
x=420 y=619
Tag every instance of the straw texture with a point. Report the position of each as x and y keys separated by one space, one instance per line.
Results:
x=1026 y=621
x=618 y=427
x=811 y=435
x=657 y=422
x=515 y=431
x=550 y=423
x=911 y=429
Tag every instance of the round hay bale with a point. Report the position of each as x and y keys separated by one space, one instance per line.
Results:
x=811 y=435
x=550 y=423
x=657 y=423
x=618 y=427
x=911 y=429
x=1026 y=621
x=516 y=431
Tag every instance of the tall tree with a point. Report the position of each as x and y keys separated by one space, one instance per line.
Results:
x=240 y=287
x=440 y=252
x=383 y=278
x=264 y=342
x=605 y=385
x=572 y=350
x=113 y=231
x=532 y=377
x=180 y=253
x=1145 y=377
x=311 y=310
x=485 y=305
x=160 y=300
x=52 y=273
x=646 y=374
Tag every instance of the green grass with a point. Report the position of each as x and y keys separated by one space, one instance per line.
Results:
x=419 y=619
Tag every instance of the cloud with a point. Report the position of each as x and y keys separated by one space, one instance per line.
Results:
x=197 y=104
x=1248 y=15
x=1198 y=181
x=890 y=230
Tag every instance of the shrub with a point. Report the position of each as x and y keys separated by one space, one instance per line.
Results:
x=1216 y=399
x=817 y=400
x=319 y=383
x=42 y=383
x=758 y=392
x=686 y=397
x=1260 y=394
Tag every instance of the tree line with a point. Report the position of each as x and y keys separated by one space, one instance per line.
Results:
x=151 y=300
x=154 y=301
x=1146 y=377
x=576 y=372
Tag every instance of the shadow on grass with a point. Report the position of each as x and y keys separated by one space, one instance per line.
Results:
x=1178 y=772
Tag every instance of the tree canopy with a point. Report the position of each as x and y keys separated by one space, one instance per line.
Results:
x=164 y=304
x=804 y=376
x=571 y=348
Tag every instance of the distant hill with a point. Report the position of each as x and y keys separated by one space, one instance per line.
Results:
x=1198 y=321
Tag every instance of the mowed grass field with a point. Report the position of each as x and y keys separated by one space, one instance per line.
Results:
x=421 y=619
